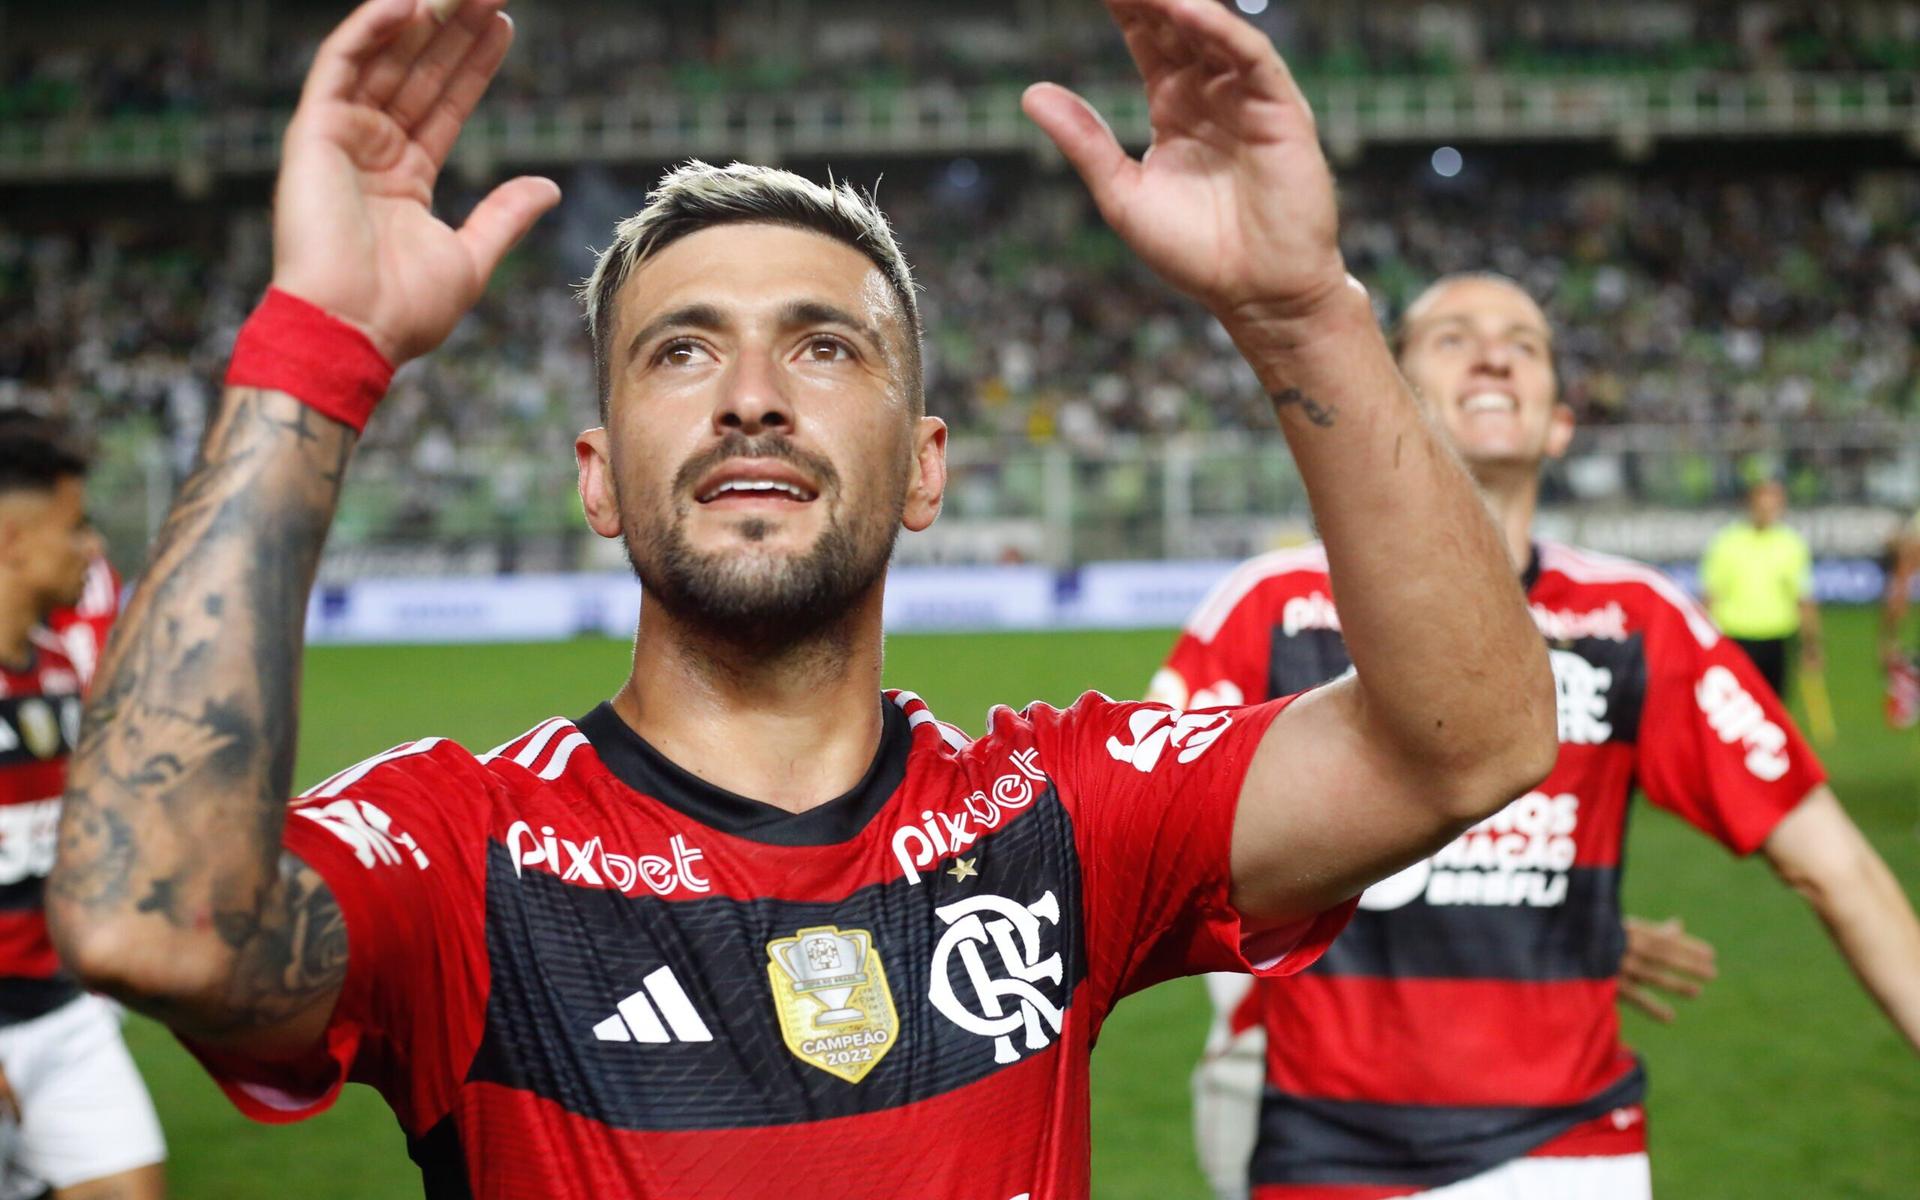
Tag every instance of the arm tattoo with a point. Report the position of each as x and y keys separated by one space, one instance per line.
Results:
x=1320 y=414
x=170 y=834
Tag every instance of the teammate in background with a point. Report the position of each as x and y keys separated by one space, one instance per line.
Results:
x=755 y=928
x=1757 y=577
x=1896 y=657
x=1462 y=1031
x=86 y=1128
x=83 y=626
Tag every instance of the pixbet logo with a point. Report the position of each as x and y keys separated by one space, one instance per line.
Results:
x=1009 y=1001
x=1311 y=611
x=942 y=833
x=591 y=864
x=1735 y=716
x=1156 y=730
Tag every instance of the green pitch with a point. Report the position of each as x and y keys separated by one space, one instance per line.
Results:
x=1783 y=1081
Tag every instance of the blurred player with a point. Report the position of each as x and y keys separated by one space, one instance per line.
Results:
x=1463 y=1028
x=82 y=627
x=1896 y=657
x=86 y=1127
x=587 y=963
x=1757 y=577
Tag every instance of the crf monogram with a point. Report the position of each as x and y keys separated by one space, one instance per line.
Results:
x=1009 y=1001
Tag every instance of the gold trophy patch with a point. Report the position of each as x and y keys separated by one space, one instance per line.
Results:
x=836 y=1011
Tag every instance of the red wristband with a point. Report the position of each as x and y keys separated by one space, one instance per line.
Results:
x=291 y=346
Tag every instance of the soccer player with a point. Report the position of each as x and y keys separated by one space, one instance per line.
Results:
x=86 y=1129
x=1757 y=577
x=755 y=928
x=1461 y=1035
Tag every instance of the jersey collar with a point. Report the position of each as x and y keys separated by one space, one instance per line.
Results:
x=635 y=762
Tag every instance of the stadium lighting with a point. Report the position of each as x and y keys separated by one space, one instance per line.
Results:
x=1252 y=8
x=1447 y=162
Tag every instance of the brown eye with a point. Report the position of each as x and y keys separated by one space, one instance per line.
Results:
x=825 y=349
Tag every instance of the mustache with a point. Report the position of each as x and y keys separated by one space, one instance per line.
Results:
x=765 y=445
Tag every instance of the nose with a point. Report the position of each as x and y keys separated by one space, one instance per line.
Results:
x=752 y=400
x=1493 y=357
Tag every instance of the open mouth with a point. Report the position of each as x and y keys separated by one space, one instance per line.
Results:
x=750 y=484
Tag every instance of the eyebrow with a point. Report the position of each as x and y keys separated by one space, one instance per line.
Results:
x=794 y=312
x=1510 y=330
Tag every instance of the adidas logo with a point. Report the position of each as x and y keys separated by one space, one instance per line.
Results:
x=658 y=1012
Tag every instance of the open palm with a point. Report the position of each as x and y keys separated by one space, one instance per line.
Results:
x=1233 y=203
x=354 y=229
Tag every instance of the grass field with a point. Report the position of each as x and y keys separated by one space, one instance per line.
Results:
x=1783 y=1081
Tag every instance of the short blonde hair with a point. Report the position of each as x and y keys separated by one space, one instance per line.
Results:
x=697 y=195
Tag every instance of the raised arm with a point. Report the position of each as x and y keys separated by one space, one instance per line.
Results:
x=171 y=891
x=1450 y=713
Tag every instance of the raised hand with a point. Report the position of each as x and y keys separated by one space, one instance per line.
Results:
x=1233 y=203
x=354 y=230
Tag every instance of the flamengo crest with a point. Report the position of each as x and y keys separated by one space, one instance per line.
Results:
x=831 y=995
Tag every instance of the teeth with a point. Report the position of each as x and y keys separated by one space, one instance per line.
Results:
x=755 y=485
x=1481 y=402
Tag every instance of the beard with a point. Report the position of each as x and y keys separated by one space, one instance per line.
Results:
x=753 y=597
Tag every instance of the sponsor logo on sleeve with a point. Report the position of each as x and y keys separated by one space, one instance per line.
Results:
x=591 y=864
x=367 y=830
x=950 y=830
x=1736 y=718
x=1006 y=998
x=830 y=992
x=1154 y=731
x=1519 y=857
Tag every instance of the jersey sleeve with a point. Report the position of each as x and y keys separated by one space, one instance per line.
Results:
x=1220 y=658
x=1717 y=747
x=402 y=848
x=1153 y=792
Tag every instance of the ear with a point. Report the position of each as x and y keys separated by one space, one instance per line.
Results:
x=927 y=487
x=596 y=483
x=1559 y=431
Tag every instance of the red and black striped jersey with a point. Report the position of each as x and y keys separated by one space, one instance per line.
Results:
x=39 y=722
x=1467 y=1016
x=83 y=629
x=577 y=970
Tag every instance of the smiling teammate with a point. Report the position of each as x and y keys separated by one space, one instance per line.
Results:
x=1461 y=1037
x=755 y=928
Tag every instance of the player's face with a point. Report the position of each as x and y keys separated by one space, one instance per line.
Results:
x=762 y=449
x=49 y=542
x=1479 y=351
x=1766 y=504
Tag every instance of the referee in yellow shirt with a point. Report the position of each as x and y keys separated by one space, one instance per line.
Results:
x=1758 y=578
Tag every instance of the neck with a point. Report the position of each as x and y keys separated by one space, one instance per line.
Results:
x=792 y=726
x=17 y=619
x=1512 y=493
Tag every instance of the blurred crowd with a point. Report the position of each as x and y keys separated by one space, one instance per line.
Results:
x=172 y=63
x=1761 y=299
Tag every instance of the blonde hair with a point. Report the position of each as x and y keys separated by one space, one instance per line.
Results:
x=697 y=195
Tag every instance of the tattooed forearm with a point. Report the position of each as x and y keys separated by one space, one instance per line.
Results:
x=1320 y=414
x=170 y=836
